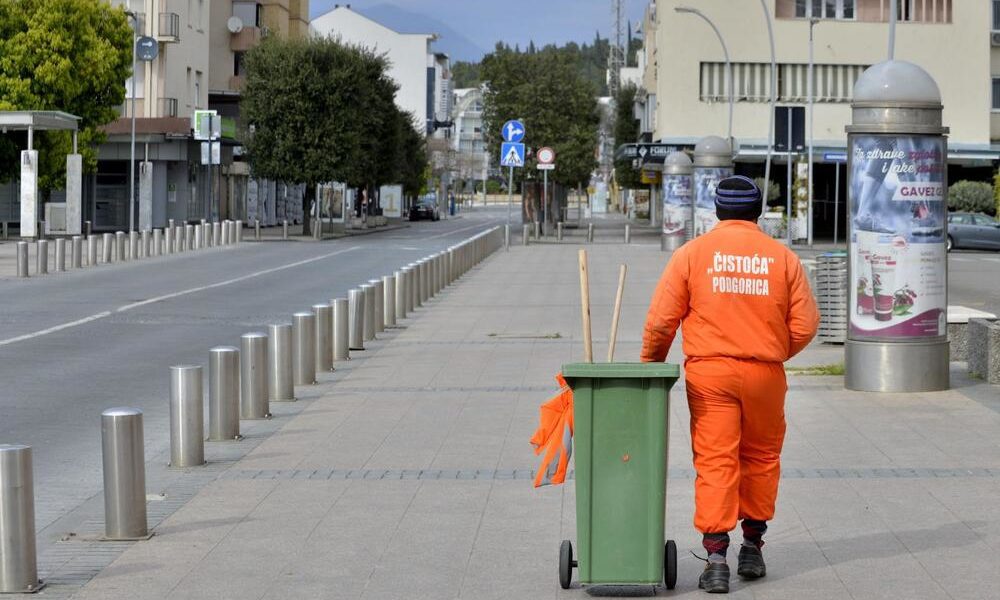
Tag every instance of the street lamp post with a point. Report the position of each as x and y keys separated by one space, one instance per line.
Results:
x=774 y=99
x=809 y=85
x=131 y=164
x=725 y=52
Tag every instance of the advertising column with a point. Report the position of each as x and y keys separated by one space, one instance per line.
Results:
x=898 y=296
x=713 y=162
x=678 y=220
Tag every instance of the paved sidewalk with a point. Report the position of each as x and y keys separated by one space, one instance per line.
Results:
x=406 y=473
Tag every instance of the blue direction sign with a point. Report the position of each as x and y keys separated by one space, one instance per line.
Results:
x=835 y=157
x=513 y=131
x=511 y=154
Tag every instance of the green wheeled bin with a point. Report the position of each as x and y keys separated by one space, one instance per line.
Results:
x=621 y=419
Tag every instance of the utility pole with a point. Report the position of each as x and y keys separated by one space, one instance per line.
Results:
x=616 y=60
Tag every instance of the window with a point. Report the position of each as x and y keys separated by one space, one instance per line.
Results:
x=982 y=221
x=959 y=219
x=996 y=15
x=996 y=93
x=751 y=82
x=188 y=85
x=248 y=12
x=825 y=9
x=239 y=67
x=197 y=90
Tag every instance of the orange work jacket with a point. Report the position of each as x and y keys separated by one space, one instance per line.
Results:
x=739 y=294
x=554 y=436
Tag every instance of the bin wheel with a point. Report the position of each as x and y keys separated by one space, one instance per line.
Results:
x=670 y=564
x=566 y=564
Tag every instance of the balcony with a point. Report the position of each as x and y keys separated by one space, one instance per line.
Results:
x=247 y=38
x=167 y=107
x=170 y=28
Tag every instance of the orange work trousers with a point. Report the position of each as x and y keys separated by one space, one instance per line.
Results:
x=737 y=430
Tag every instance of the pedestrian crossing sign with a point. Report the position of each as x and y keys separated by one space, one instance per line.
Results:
x=511 y=154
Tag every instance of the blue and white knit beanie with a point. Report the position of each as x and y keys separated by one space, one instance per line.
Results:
x=738 y=197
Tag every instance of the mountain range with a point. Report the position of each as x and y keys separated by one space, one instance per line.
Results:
x=457 y=46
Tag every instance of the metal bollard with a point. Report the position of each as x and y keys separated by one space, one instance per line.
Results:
x=628 y=233
x=216 y=233
x=91 y=250
x=170 y=223
x=253 y=376
x=87 y=226
x=341 y=329
x=389 y=301
x=356 y=325
x=280 y=380
x=18 y=555
x=60 y=255
x=538 y=227
x=42 y=257
x=435 y=273
x=107 y=247
x=224 y=226
x=256 y=229
x=524 y=234
x=124 y=474
x=304 y=348
x=442 y=271
x=206 y=235
x=506 y=237
x=120 y=244
x=223 y=394
x=168 y=240
x=238 y=226
x=284 y=229
x=189 y=236
x=199 y=242
x=411 y=287
x=425 y=281
x=324 y=337
x=77 y=252
x=378 y=290
x=144 y=250
x=180 y=242
x=402 y=293
x=590 y=232
x=369 y=311
x=133 y=245
x=187 y=417
x=157 y=242
x=559 y=232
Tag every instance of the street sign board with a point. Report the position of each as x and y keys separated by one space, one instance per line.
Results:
x=546 y=166
x=513 y=131
x=546 y=156
x=207 y=125
x=835 y=157
x=511 y=154
x=146 y=48
x=654 y=153
x=211 y=153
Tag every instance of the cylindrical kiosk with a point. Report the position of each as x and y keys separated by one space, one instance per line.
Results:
x=280 y=378
x=341 y=329
x=124 y=474
x=378 y=289
x=324 y=337
x=369 y=327
x=18 y=557
x=897 y=339
x=224 y=394
x=678 y=220
x=187 y=416
x=713 y=162
x=253 y=376
x=304 y=348
x=389 y=301
x=356 y=318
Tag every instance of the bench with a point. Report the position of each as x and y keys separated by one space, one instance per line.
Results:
x=959 y=334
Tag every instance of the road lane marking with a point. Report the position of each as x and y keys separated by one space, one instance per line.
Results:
x=127 y=307
x=454 y=231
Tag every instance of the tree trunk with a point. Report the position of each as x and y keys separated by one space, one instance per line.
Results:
x=307 y=213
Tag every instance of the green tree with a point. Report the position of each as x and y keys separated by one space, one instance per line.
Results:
x=971 y=196
x=557 y=104
x=465 y=74
x=66 y=55
x=626 y=132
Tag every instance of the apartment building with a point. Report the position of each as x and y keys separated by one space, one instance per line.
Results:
x=957 y=42
x=472 y=159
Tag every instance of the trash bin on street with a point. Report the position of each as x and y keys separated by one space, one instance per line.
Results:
x=621 y=419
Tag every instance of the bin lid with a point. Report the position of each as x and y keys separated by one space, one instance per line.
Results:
x=622 y=370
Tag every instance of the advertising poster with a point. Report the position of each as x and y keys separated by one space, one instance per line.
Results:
x=898 y=215
x=706 y=179
x=391 y=197
x=676 y=205
x=332 y=202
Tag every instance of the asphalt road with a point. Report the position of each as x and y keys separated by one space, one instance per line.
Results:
x=74 y=344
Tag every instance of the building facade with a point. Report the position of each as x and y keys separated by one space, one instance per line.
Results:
x=950 y=39
x=472 y=163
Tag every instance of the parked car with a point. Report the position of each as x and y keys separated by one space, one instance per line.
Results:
x=973 y=231
x=425 y=208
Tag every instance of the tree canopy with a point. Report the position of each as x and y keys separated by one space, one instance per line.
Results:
x=66 y=55
x=558 y=106
x=320 y=110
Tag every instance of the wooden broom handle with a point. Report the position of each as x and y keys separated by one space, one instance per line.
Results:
x=588 y=350
x=613 y=339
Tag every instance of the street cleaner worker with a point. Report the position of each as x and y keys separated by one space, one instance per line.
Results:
x=745 y=307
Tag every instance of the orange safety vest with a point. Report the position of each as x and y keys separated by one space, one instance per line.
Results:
x=554 y=436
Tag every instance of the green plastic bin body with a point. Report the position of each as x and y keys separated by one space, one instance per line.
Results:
x=621 y=420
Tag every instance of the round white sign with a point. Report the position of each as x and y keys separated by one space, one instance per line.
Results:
x=546 y=156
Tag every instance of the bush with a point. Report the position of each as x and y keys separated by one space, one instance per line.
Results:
x=971 y=196
x=493 y=187
x=996 y=192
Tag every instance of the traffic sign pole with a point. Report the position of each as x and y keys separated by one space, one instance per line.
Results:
x=510 y=191
x=545 y=203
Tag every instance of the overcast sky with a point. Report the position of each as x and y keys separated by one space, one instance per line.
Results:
x=484 y=22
